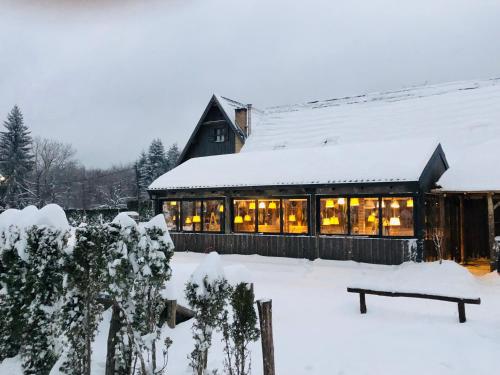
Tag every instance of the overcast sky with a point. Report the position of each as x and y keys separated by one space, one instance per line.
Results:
x=108 y=76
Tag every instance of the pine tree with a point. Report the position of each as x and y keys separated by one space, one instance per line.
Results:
x=173 y=155
x=85 y=268
x=16 y=159
x=157 y=159
x=44 y=288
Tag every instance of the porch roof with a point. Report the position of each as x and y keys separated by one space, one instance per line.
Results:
x=363 y=162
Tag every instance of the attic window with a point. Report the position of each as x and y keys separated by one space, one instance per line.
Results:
x=219 y=135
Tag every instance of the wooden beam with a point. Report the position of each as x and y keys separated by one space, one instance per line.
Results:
x=461 y=230
x=491 y=231
x=266 y=335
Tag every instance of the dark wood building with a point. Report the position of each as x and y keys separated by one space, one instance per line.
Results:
x=313 y=183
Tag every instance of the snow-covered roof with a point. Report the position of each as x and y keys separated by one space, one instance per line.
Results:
x=389 y=161
x=463 y=116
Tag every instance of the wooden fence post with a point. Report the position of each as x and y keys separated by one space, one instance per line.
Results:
x=266 y=334
x=171 y=306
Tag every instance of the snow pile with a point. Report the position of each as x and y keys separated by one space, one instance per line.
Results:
x=51 y=215
x=446 y=279
x=124 y=220
x=209 y=272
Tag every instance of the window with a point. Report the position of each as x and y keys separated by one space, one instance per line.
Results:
x=295 y=216
x=397 y=214
x=244 y=215
x=213 y=213
x=219 y=135
x=269 y=219
x=364 y=216
x=333 y=215
x=191 y=216
x=171 y=213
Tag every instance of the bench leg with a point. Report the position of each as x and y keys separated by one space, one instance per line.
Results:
x=461 y=312
x=362 y=303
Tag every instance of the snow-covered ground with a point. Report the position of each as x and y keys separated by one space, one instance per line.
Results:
x=318 y=328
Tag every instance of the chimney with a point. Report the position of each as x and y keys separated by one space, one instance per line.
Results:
x=243 y=118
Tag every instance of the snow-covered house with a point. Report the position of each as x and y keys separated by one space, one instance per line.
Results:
x=370 y=178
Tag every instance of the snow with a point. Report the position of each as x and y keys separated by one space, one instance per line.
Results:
x=51 y=215
x=381 y=162
x=124 y=220
x=210 y=271
x=318 y=328
x=446 y=279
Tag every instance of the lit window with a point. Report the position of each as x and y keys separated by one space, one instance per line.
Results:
x=213 y=212
x=191 y=216
x=171 y=214
x=333 y=215
x=364 y=216
x=244 y=211
x=269 y=216
x=397 y=214
x=295 y=216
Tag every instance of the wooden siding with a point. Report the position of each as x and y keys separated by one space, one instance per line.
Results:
x=202 y=144
x=359 y=249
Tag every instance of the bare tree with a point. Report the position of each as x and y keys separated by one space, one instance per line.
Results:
x=438 y=240
x=52 y=159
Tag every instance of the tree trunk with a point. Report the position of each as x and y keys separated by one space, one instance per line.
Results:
x=114 y=328
x=266 y=333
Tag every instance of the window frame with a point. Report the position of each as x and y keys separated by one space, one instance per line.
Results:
x=275 y=198
x=201 y=200
x=379 y=199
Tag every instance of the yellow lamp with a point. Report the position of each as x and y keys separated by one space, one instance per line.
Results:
x=247 y=218
x=354 y=202
x=341 y=201
x=292 y=218
x=369 y=205
x=394 y=204
x=329 y=203
x=409 y=202
x=188 y=220
x=326 y=221
x=272 y=205
x=221 y=208
x=371 y=218
x=334 y=220
x=252 y=206
x=385 y=223
x=394 y=222
x=262 y=205
x=238 y=220
x=196 y=219
x=173 y=203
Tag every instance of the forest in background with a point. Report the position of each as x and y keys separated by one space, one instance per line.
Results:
x=37 y=171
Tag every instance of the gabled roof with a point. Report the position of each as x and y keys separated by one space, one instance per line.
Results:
x=227 y=107
x=338 y=164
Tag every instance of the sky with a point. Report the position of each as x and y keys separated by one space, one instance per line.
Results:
x=109 y=76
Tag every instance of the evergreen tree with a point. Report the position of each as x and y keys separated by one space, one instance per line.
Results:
x=173 y=155
x=239 y=333
x=157 y=159
x=13 y=300
x=85 y=268
x=207 y=293
x=16 y=159
x=44 y=288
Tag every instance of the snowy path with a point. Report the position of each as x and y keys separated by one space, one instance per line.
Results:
x=318 y=328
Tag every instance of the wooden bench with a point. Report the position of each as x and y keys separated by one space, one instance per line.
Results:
x=460 y=301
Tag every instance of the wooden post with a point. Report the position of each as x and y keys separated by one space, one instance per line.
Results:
x=462 y=229
x=491 y=231
x=362 y=303
x=443 y=227
x=171 y=307
x=266 y=334
x=114 y=328
x=461 y=312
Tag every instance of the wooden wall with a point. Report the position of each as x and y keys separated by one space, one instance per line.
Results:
x=360 y=249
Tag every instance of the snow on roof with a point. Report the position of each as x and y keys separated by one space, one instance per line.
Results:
x=374 y=162
x=229 y=106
